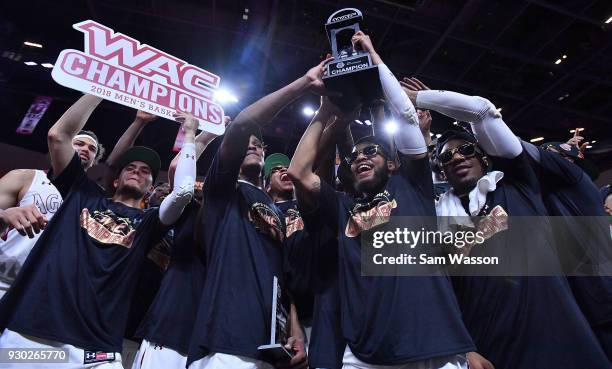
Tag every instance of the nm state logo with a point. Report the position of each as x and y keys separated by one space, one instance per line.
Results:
x=340 y=65
x=266 y=221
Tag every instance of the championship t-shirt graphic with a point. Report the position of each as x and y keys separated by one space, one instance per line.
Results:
x=160 y=253
x=293 y=221
x=369 y=215
x=106 y=227
x=266 y=221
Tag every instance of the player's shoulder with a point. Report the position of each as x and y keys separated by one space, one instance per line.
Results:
x=21 y=177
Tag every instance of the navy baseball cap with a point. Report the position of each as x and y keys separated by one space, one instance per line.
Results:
x=143 y=154
x=376 y=140
x=453 y=134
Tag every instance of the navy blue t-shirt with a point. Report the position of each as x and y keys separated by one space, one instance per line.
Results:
x=76 y=285
x=569 y=193
x=525 y=322
x=320 y=281
x=170 y=319
x=243 y=233
x=148 y=284
x=390 y=320
x=327 y=344
x=297 y=255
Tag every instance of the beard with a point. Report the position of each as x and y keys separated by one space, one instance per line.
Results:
x=130 y=192
x=375 y=183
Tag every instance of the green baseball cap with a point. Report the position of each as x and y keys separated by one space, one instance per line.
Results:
x=275 y=160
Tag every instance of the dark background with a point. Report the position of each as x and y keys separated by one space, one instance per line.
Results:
x=502 y=50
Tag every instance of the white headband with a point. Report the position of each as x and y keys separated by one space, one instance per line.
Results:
x=85 y=135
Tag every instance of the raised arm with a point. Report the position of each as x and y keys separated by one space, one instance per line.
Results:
x=184 y=179
x=335 y=131
x=301 y=171
x=493 y=135
x=59 y=137
x=260 y=113
x=128 y=138
x=408 y=139
x=202 y=141
x=125 y=142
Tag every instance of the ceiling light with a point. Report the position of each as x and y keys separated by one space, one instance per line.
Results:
x=391 y=127
x=593 y=141
x=558 y=61
x=367 y=122
x=609 y=20
x=47 y=65
x=245 y=17
x=30 y=63
x=308 y=111
x=574 y=130
x=358 y=121
x=499 y=109
x=536 y=139
x=564 y=56
x=32 y=44
x=225 y=96
x=438 y=135
x=589 y=146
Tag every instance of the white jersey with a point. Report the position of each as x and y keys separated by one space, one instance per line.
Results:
x=14 y=248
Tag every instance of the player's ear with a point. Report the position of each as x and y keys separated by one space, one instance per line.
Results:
x=116 y=183
x=391 y=165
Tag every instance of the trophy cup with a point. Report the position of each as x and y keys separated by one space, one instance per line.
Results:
x=275 y=351
x=351 y=72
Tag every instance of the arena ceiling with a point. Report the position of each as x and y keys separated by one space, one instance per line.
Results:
x=546 y=64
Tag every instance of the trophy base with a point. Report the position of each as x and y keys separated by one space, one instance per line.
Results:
x=360 y=86
x=274 y=353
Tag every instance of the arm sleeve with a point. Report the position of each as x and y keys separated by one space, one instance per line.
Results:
x=489 y=128
x=408 y=139
x=184 y=181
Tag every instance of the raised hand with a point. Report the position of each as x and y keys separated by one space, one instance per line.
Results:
x=575 y=141
x=188 y=121
x=27 y=220
x=145 y=117
x=424 y=120
x=314 y=76
x=362 y=41
x=411 y=87
x=413 y=84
